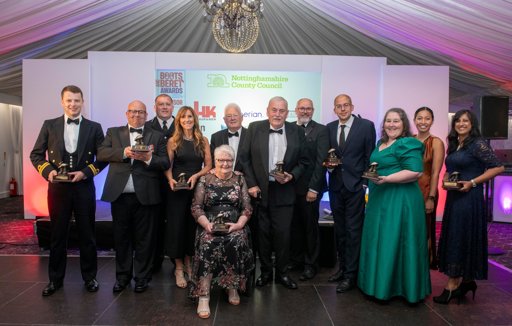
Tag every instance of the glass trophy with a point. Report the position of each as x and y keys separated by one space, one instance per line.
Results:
x=219 y=225
x=278 y=169
x=453 y=182
x=181 y=183
x=371 y=173
x=332 y=161
x=139 y=145
x=63 y=175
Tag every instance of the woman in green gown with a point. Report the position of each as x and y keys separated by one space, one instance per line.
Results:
x=394 y=250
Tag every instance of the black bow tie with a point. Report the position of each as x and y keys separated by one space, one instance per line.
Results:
x=303 y=126
x=136 y=130
x=235 y=134
x=75 y=121
x=279 y=131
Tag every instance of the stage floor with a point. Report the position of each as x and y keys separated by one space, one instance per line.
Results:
x=22 y=278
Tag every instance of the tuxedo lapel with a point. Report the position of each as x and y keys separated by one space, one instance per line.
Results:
x=263 y=134
x=354 y=131
x=124 y=135
x=225 y=137
x=290 y=141
x=83 y=135
x=59 y=129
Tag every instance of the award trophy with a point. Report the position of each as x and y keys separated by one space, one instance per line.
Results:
x=182 y=183
x=219 y=226
x=62 y=175
x=371 y=173
x=453 y=182
x=278 y=170
x=332 y=161
x=139 y=145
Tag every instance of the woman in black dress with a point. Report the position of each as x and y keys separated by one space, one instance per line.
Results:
x=225 y=259
x=463 y=241
x=189 y=153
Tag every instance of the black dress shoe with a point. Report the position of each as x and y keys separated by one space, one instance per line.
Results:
x=345 y=285
x=119 y=287
x=264 y=279
x=92 y=285
x=141 y=286
x=287 y=282
x=336 y=277
x=308 y=273
x=51 y=288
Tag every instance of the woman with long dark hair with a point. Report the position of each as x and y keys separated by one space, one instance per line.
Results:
x=189 y=153
x=463 y=241
x=433 y=158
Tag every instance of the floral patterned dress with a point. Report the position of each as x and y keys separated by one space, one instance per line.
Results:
x=227 y=258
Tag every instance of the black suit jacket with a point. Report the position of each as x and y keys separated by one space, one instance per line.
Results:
x=146 y=178
x=155 y=125
x=254 y=155
x=51 y=141
x=317 y=147
x=221 y=138
x=355 y=156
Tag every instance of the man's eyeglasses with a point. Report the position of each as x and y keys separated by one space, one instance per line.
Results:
x=134 y=112
x=345 y=106
x=305 y=109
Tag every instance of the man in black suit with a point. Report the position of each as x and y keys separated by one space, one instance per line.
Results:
x=133 y=189
x=354 y=140
x=164 y=123
x=305 y=238
x=73 y=140
x=268 y=142
x=234 y=134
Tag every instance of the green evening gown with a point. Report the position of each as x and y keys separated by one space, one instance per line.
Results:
x=394 y=250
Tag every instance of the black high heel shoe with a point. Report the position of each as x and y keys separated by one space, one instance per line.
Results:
x=465 y=287
x=448 y=295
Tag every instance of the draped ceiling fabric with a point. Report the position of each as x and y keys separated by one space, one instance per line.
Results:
x=472 y=37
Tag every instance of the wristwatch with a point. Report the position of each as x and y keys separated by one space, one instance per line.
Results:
x=473 y=183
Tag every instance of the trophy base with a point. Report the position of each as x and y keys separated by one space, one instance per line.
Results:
x=220 y=229
x=143 y=149
x=330 y=165
x=372 y=177
x=452 y=185
x=181 y=186
x=62 y=178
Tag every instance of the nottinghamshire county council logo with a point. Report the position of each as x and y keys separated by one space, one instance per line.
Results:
x=217 y=80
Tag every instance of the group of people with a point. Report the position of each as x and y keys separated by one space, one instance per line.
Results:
x=265 y=183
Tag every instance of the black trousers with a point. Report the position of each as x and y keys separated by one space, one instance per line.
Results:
x=305 y=233
x=64 y=201
x=159 y=232
x=134 y=239
x=348 y=212
x=274 y=223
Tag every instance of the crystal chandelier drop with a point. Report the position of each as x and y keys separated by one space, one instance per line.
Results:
x=235 y=24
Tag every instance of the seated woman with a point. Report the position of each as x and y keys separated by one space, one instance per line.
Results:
x=224 y=259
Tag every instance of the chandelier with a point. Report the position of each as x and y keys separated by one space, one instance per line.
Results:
x=235 y=25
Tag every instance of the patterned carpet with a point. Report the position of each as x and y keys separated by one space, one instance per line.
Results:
x=17 y=235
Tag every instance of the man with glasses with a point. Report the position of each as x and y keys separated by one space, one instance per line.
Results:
x=164 y=123
x=133 y=189
x=73 y=140
x=267 y=143
x=234 y=134
x=354 y=140
x=305 y=239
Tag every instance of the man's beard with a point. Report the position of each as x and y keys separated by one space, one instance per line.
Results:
x=303 y=120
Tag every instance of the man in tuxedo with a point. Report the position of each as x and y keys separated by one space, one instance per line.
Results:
x=234 y=134
x=267 y=143
x=72 y=140
x=164 y=123
x=354 y=140
x=133 y=189
x=305 y=238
